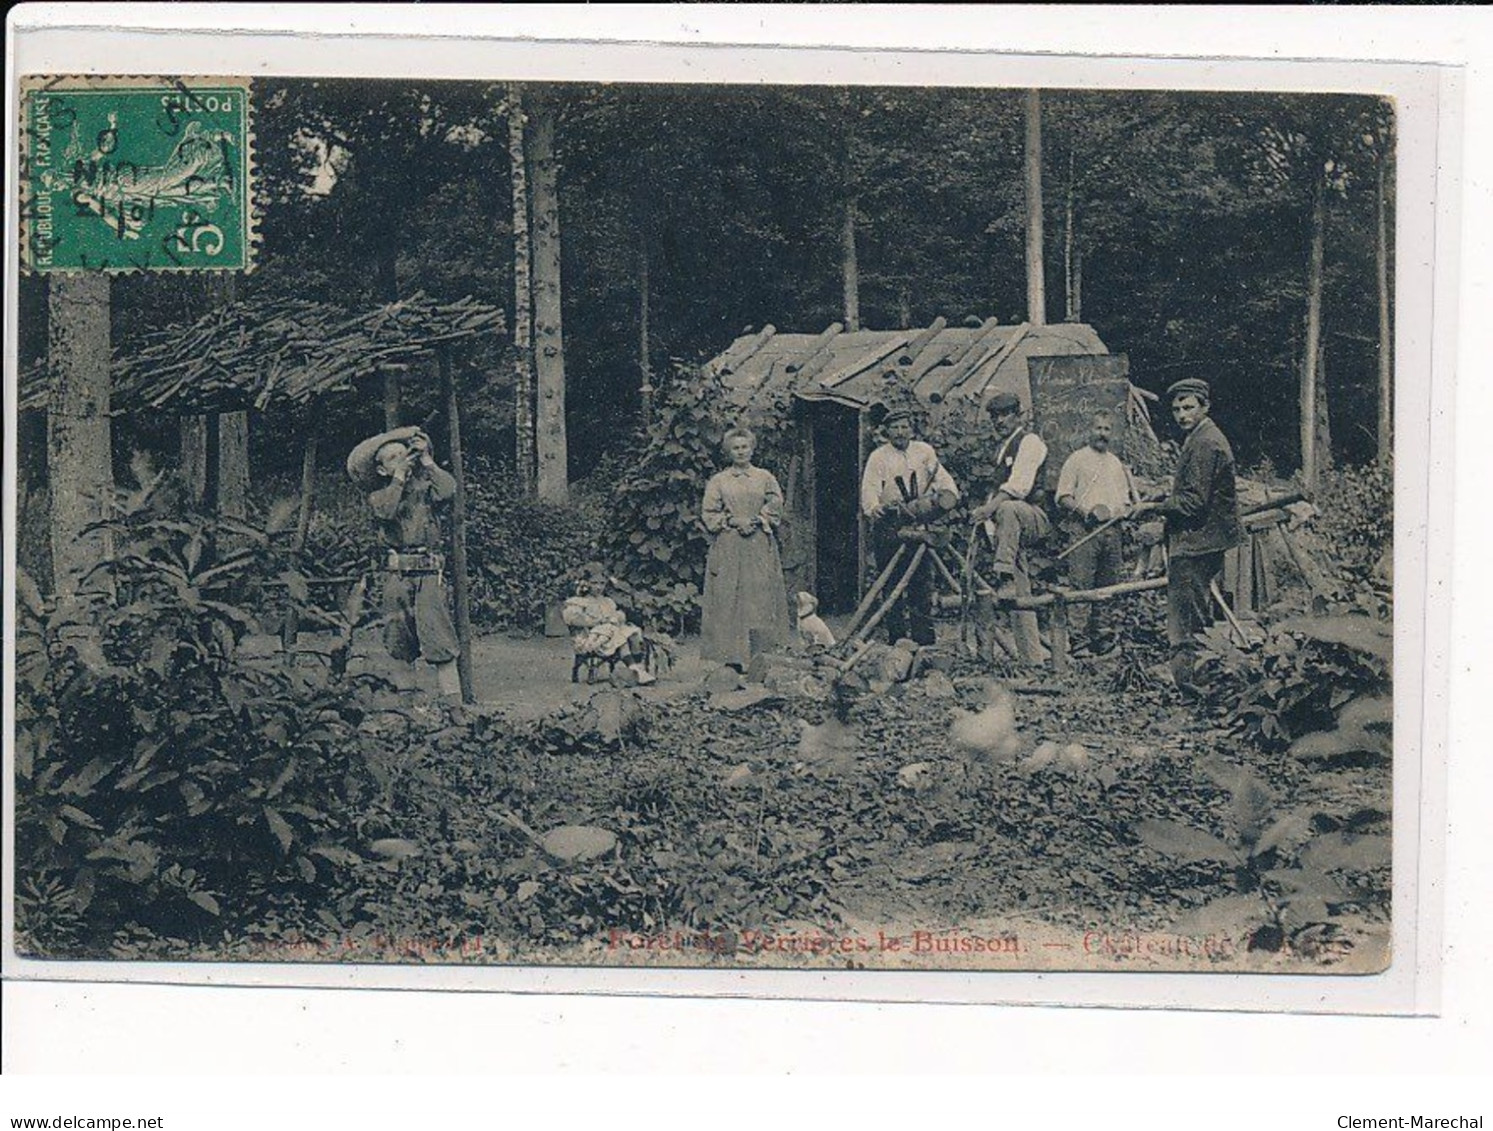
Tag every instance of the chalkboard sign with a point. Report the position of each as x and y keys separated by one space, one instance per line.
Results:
x=1066 y=392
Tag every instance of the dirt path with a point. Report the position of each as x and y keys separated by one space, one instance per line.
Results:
x=522 y=677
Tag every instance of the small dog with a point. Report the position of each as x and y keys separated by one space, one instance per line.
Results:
x=811 y=628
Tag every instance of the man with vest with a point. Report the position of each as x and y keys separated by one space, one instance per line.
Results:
x=898 y=473
x=1094 y=488
x=1202 y=523
x=1012 y=519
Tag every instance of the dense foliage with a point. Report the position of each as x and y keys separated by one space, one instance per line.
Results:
x=523 y=555
x=1355 y=520
x=156 y=769
x=654 y=542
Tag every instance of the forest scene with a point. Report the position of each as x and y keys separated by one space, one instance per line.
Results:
x=563 y=304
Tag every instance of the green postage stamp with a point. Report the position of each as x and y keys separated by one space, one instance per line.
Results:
x=136 y=174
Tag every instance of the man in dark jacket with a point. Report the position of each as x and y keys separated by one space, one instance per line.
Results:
x=1202 y=522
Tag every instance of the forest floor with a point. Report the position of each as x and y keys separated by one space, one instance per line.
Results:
x=769 y=833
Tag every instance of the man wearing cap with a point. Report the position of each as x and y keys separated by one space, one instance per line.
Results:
x=897 y=473
x=1013 y=520
x=1202 y=522
x=1094 y=488
x=405 y=486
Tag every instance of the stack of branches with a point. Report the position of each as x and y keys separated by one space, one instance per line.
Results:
x=278 y=350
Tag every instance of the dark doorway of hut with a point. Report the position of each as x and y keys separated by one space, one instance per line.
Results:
x=835 y=432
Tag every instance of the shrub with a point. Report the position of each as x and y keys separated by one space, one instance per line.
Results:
x=162 y=780
x=521 y=554
x=653 y=541
x=1298 y=678
x=1356 y=517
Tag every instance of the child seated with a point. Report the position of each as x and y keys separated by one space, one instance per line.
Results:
x=812 y=631
x=600 y=634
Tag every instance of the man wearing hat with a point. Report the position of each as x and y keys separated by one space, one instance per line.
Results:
x=1202 y=522
x=901 y=480
x=405 y=486
x=1094 y=488
x=1013 y=521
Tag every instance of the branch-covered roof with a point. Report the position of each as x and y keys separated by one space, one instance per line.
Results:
x=275 y=351
x=939 y=364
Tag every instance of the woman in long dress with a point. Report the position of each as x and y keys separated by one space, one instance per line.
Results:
x=745 y=594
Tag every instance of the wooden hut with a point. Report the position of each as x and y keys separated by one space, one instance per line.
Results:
x=833 y=386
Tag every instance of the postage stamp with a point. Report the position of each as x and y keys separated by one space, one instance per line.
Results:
x=136 y=173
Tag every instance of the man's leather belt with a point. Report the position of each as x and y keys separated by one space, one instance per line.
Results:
x=415 y=561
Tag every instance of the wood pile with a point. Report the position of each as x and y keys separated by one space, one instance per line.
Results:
x=280 y=351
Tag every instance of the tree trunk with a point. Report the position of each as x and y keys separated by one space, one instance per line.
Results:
x=1323 y=445
x=549 y=344
x=645 y=345
x=850 y=268
x=233 y=464
x=308 y=477
x=1069 y=303
x=79 y=436
x=1386 y=343
x=460 y=590
x=1036 y=285
x=233 y=427
x=523 y=300
x=1077 y=276
x=193 y=456
x=1311 y=348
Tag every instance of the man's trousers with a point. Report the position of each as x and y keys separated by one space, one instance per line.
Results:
x=912 y=615
x=1188 y=607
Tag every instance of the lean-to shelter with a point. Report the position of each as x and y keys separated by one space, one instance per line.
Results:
x=835 y=385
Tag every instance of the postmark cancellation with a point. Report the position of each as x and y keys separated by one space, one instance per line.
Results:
x=136 y=173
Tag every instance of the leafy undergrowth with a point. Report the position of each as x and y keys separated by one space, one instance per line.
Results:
x=732 y=822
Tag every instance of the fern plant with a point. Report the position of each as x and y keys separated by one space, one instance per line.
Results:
x=1282 y=864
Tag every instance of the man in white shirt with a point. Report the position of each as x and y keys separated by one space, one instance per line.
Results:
x=1012 y=519
x=898 y=472
x=1094 y=487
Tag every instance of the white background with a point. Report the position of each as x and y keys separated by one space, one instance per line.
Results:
x=1320 y=1067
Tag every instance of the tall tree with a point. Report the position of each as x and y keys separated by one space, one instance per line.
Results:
x=1072 y=249
x=1036 y=282
x=549 y=342
x=1311 y=350
x=523 y=299
x=645 y=340
x=79 y=436
x=850 y=267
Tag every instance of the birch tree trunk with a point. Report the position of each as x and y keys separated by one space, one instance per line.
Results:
x=523 y=299
x=1385 y=431
x=1311 y=348
x=850 y=268
x=79 y=436
x=1072 y=255
x=549 y=343
x=1036 y=284
x=645 y=345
